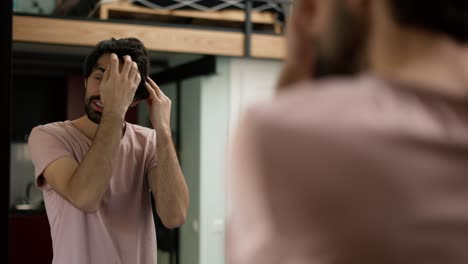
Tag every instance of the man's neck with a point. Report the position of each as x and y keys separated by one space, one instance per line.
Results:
x=88 y=127
x=422 y=59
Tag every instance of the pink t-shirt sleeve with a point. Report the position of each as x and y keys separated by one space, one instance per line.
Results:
x=152 y=151
x=45 y=148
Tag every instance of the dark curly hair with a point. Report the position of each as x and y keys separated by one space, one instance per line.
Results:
x=449 y=17
x=124 y=46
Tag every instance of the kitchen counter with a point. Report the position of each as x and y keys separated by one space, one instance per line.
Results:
x=14 y=211
x=27 y=209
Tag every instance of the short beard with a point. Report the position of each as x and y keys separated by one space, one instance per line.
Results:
x=93 y=115
x=343 y=52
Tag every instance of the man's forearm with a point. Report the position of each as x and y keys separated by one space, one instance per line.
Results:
x=91 y=179
x=168 y=184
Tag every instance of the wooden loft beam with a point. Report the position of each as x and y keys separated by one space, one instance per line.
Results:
x=156 y=38
x=267 y=46
x=88 y=33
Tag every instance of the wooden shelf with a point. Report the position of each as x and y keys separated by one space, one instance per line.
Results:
x=228 y=18
x=156 y=38
x=107 y=9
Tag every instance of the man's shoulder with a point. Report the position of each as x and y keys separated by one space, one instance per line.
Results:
x=50 y=133
x=328 y=103
x=327 y=92
x=140 y=128
x=140 y=131
x=53 y=127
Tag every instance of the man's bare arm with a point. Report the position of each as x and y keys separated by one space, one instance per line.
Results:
x=166 y=180
x=168 y=184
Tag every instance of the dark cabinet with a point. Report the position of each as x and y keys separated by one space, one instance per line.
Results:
x=36 y=100
x=29 y=239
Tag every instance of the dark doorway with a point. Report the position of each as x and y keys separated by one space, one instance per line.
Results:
x=6 y=10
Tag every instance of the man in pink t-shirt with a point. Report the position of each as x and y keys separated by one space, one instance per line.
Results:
x=368 y=162
x=97 y=171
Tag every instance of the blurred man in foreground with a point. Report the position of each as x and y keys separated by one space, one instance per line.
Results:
x=368 y=163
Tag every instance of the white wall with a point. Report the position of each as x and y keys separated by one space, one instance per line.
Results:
x=237 y=83
x=214 y=131
x=251 y=80
x=190 y=162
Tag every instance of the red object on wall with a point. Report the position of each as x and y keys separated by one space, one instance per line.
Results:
x=75 y=96
x=29 y=239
